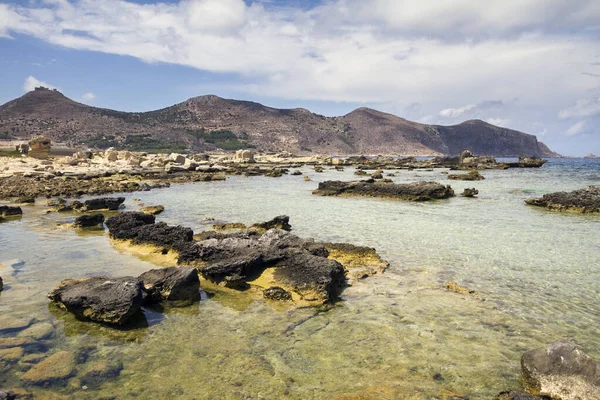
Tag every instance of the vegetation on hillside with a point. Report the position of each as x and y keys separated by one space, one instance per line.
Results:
x=222 y=138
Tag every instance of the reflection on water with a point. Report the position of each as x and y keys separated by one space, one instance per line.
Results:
x=396 y=335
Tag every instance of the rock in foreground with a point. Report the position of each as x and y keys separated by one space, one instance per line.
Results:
x=561 y=371
x=101 y=299
x=418 y=191
x=275 y=258
x=580 y=201
x=54 y=369
x=175 y=285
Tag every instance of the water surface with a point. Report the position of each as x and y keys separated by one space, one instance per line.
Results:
x=396 y=335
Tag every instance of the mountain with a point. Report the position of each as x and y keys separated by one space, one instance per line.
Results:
x=210 y=122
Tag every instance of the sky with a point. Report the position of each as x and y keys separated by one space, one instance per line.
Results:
x=530 y=65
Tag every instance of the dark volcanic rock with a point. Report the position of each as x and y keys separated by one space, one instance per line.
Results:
x=471 y=176
x=104 y=203
x=141 y=229
x=8 y=211
x=176 y=285
x=314 y=278
x=582 y=201
x=277 y=293
x=418 y=191
x=125 y=225
x=101 y=299
x=470 y=192
x=279 y=222
x=163 y=235
x=1 y=284
x=86 y=221
x=561 y=371
x=299 y=265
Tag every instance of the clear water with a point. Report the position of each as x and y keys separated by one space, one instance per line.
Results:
x=537 y=272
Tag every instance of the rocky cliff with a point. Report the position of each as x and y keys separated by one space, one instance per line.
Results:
x=210 y=122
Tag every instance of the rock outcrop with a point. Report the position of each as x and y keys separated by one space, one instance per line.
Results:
x=141 y=228
x=470 y=192
x=471 y=176
x=100 y=299
x=8 y=211
x=561 y=371
x=264 y=255
x=580 y=201
x=419 y=191
x=39 y=147
x=153 y=210
x=176 y=286
x=88 y=221
x=103 y=203
x=297 y=265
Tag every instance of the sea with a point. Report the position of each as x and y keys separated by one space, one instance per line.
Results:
x=394 y=335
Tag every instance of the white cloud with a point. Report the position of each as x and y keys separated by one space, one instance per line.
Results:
x=498 y=121
x=216 y=16
x=456 y=112
x=89 y=96
x=582 y=108
x=31 y=83
x=576 y=128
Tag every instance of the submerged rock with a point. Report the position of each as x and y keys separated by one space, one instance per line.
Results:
x=39 y=331
x=96 y=372
x=7 y=395
x=104 y=203
x=471 y=176
x=418 y=191
x=176 y=285
x=12 y=324
x=87 y=221
x=581 y=201
x=516 y=395
x=359 y=261
x=277 y=293
x=52 y=370
x=456 y=288
x=101 y=299
x=561 y=371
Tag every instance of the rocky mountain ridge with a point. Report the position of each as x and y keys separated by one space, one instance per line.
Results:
x=210 y=122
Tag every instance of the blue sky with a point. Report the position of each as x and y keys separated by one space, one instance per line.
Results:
x=531 y=65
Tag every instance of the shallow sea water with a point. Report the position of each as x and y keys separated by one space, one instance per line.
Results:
x=395 y=335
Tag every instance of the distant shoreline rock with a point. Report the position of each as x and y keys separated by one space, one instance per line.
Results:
x=578 y=201
x=418 y=191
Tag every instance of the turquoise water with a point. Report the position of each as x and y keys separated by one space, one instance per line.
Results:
x=537 y=273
